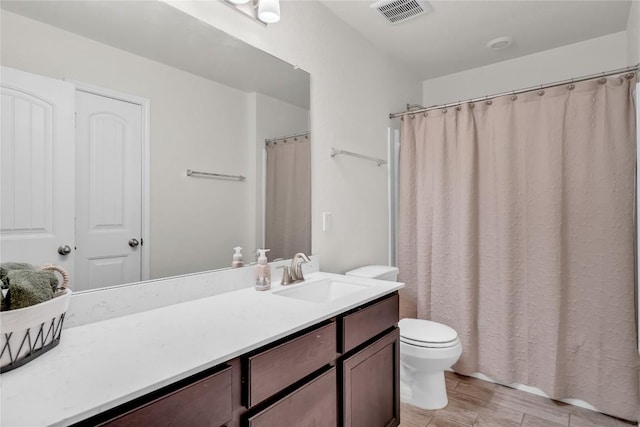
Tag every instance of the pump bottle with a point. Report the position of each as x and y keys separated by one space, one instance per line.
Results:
x=237 y=258
x=263 y=271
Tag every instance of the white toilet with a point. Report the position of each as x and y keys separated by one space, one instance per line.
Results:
x=427 y=349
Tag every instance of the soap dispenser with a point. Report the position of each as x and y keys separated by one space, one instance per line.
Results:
x=237 y=258
x=263 y=271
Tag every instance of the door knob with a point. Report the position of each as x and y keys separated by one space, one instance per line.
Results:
x=133 y=243
x=64 y=250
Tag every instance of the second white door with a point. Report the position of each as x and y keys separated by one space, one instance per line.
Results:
x=108 y=191
x=36 y=170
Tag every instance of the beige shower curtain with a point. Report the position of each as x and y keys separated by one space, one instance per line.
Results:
x=517 y=230
x=288 y=197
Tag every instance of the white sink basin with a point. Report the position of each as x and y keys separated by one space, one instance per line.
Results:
x=320 y=291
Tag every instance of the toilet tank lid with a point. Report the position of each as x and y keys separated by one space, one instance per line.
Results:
x=372 y=271
x=426 y=331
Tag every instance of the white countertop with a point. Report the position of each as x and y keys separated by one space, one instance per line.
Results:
x=101 y=365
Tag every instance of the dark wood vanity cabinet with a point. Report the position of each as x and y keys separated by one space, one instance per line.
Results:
x=370 y=384
x=370 y=365
x=206 y=402
x=292 y=382
x=364 y=323
x=357 y=386
x=343 y=372
x=312 y=404
x=272 y=370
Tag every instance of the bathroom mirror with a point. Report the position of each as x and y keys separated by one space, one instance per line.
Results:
x=208 y=103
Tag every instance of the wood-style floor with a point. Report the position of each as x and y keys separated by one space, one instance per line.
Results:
x=473 y=402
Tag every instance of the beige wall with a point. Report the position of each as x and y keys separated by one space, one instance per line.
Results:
x=354 y=87
x=195 y=123
x=575 y=60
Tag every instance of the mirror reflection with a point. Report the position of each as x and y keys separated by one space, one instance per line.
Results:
x=155 y=93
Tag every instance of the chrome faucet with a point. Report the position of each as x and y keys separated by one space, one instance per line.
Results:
x=296 y=267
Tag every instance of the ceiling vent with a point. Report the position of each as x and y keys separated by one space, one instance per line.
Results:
x=397 y=11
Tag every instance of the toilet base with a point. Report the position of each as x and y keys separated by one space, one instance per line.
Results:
x=425 y=390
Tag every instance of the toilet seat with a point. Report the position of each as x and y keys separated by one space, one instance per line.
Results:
x=423 y=344
x=427 y=334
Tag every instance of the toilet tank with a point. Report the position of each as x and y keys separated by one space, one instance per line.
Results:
x=380 y=272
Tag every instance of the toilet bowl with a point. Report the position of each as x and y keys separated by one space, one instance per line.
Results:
x=427 y=349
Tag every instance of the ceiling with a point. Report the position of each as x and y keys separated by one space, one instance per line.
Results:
x=454 y=35
x=449 y=39
x=160 y=32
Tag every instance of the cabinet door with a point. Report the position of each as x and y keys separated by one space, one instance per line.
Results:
x=367 y=322
x=312 y=405
x=272 y=370
x=372 y=384
x=205 y=403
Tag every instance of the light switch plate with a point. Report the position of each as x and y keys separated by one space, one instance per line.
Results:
x=326 y=221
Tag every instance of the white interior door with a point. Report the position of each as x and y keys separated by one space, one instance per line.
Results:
x=37 y=170
x=108 y=191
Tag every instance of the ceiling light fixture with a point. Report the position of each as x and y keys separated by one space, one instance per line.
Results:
x=263 y=11
x=500 y=43
x=269 y=11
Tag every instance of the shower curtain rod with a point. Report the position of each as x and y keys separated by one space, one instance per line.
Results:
x=632 y=69
x=267 y=141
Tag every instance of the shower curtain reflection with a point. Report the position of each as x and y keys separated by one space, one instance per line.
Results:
x=288 y=196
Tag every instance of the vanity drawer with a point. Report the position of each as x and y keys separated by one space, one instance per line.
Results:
x=368 y=321
x=272 y=370
x=206 y=402
x=314 y=404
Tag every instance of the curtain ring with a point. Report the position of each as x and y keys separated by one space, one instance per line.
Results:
x=413 y=116
x=514 y=96
x=444 y=111
x=458 y=108
x=472 y=105
x=489 y=102
x=629 y=76
x=602 y=80
x=425 y=114
x=402 y=118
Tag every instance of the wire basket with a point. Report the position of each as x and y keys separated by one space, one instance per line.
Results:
x=29 y=332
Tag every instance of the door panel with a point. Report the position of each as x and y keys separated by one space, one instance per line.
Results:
x=106 y=271
x=37 y=169
x=109 y=191
x=206 y=402
x=312 y=405
x=371 y=384
x=106 y=172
